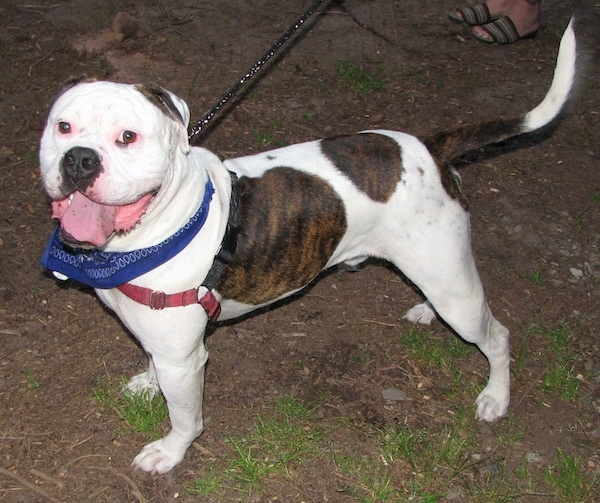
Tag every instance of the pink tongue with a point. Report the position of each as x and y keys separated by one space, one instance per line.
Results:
x=88 y=221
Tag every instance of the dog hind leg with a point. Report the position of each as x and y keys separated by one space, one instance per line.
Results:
x=454 y=290
x=421 y=313
x=146 y=382
x=474 y=322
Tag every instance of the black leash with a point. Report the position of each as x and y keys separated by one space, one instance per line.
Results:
x=197 y=129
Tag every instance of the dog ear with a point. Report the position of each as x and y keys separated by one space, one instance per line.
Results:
x=172 y=105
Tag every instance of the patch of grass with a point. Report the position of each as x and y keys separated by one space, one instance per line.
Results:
x=439 y=352
x=271 y=448
x=212 y=479
x=509 y=431
x=553 y=347
x=360 y=354
x=563 y=379
x=536 y=276
x=579 y=223
x=358 y=78
x=400 y=462
x=402 y=442
x=560 y=375
x=435 y=459
x=31 y=382
x=290 y=407
x=267 y=137
x=570 y=480
x=494 y=484
x=366 y=482
x=142 y=412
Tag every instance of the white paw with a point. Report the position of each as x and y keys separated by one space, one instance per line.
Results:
x=159 y=456
x=491 y=405
x=142 y=383
x=421 y=313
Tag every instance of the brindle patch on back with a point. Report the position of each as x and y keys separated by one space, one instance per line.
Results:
x=290 y=225
x=372 y=161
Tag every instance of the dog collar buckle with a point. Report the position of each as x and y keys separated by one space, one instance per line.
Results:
x=157 y=300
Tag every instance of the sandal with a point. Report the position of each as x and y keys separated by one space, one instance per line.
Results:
x=471 y=15
x=502 y=31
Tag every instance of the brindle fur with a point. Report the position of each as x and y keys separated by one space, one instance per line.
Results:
x=445 y=146
x=448 y=145
x=372 y=161
x=290 y=225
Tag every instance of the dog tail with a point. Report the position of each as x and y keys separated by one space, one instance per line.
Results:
x=448 y=145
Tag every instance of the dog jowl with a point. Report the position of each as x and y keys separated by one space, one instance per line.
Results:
x=172 y=238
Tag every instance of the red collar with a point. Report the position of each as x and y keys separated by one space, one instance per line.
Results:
x=159 y=300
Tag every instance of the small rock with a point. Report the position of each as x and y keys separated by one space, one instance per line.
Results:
x=394 y=395
x=577 y=273
x=493 y=469
x=533 y=457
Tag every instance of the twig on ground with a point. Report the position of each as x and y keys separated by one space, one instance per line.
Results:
x=135 y=490
x=28 y=485
x=48 y=478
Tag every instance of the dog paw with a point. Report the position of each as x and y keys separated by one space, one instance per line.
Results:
x=142 y=383
x=421 y=313
x=158 y=458
x=491 y=406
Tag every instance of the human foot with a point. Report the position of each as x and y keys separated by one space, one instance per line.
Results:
x=517 y=19
x=471 y=14
x=500 y=31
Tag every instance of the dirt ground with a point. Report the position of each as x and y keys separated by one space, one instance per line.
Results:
x=535 y=218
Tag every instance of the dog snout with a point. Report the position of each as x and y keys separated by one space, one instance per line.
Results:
x=80 y=166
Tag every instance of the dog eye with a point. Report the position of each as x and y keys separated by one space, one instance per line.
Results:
x=127 y=137
x=64 y=127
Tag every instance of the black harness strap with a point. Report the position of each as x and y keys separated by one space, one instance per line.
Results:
x=229 y=243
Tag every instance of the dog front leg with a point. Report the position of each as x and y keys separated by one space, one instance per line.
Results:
x=182 y=384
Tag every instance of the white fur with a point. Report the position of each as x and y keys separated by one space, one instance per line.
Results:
x=561 y=86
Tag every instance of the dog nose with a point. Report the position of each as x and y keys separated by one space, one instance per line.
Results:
x=81 y=164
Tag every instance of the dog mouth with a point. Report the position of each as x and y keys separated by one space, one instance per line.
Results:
x=86 y=223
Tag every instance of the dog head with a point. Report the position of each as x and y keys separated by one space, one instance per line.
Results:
x=106 y=150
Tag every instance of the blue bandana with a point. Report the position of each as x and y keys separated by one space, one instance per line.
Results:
x=105 y=270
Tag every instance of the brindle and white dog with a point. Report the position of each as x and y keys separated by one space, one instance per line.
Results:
x=143 y=215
